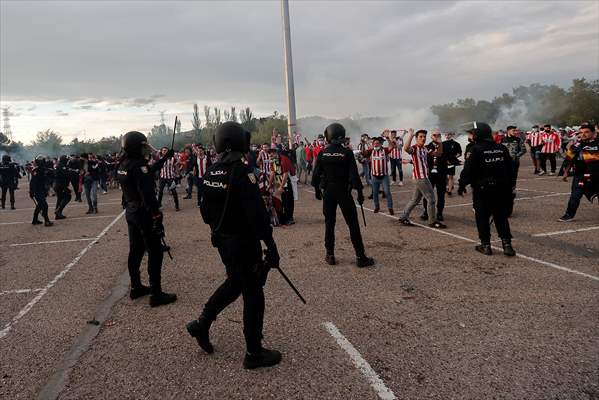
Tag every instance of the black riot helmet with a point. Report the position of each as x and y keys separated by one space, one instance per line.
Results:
x=40 y=160
x=480 y=130
x=334 y=133
x=134 y=143
x=231 y=137
x=6 y=159
x=62 y=161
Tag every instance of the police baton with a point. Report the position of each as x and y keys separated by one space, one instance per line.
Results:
x=290 y=284
x=363 y=216
x=173 y=142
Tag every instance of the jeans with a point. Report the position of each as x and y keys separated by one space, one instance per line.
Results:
x=91 y=193
x=377 y=181
x=548 y=156
x=439 y=183
x=366 y=173
x=575 y=196
x=423 y=189
x=396 y=165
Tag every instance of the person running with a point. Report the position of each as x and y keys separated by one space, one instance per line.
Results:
x=420 y=175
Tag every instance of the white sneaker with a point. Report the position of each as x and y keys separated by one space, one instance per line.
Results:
x=541 y=173
x=400 y=183
x=551 y=174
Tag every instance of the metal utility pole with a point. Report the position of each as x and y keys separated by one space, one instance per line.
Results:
x=291 y=122
x=6 y=116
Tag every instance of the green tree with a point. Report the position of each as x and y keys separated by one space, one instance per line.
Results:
x=48 y=143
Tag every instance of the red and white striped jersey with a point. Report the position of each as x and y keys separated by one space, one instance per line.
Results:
x=395 y=152
x=168 y=169
x=378 y=162
x=202 y=163
x=266 y=160
x=535 y=139
x=419 y=162
x=551 y=142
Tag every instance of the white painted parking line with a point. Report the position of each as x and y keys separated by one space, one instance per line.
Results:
x=375 y=381
x=70 y=218
x=50 y=242
x=535 y=190
x=70 y=206
x=58 y=277
x=525 y=257
x=19 y=291
x=517 y=199
x=589 y=228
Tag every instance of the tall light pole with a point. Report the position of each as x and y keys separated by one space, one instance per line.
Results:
x=291 y=122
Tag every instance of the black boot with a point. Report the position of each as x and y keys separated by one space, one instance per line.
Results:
x=262 y=358
x=484 y=248
x=363 y=261
x=508 y=250
x=90 y=211
x=200 y=330
x=12 y=207
x=36 y=222
x=162 y=298
x=139 y=291
x=48 y=223
x=330 y=258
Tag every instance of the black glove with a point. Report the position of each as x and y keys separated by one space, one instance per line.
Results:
x=271 y=255
x=169 y=153
x=360 y=198
x=157 y=226
x=461 y=191
x=318 y=194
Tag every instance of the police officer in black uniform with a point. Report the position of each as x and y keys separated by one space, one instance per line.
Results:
x=74 y=166
x=489 y=170
x=333 y=179
x=143 y=215
x=233 y=207
x=9 y=178
x=38 y=191
x=61 y=186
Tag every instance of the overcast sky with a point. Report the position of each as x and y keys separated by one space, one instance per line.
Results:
x=102 y=68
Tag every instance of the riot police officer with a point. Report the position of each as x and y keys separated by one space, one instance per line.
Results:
x=489 y=170
x=233 y=207
x=75 y=166
x=334 y=177
x=61 y=186
x=144 y=219
x=9 y=177
x=38 y=191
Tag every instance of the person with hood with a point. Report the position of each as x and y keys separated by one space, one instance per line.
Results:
x=489 y=171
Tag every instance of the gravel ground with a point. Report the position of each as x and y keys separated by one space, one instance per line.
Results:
x=434 y=319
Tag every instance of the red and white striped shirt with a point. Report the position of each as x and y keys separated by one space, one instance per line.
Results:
x=168 y=169
x=395 y=152
x=378 y=162
x=202 y=163
x=419 y=162
x=551 y=142
x=535 y=139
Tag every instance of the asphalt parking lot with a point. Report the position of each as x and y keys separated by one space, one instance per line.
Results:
x=433 y=320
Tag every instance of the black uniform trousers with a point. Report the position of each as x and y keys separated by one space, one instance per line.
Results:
x=288 y=202
x=239 y=255
x=11 y=191
x=167 y=183
x=41 y=205
x=63 y=196
x=75 y=183
x=333 y=197
x=142 y=239
x=492 y=201
x=439 y=182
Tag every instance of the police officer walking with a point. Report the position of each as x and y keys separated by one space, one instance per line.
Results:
x=9 y=177
x=61 y=186
x=334 y=177
x=144 y=219
x=489 y=170
x=38 y=191
x=233 y=207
